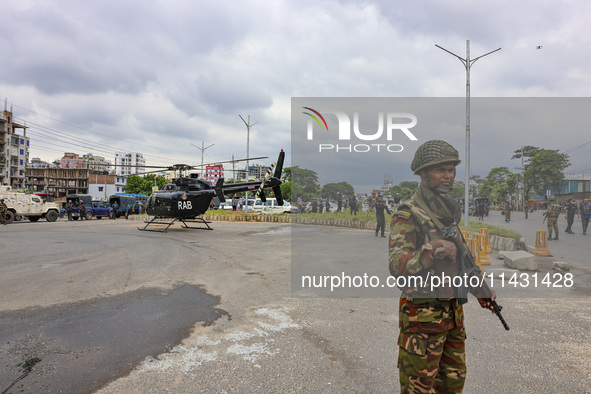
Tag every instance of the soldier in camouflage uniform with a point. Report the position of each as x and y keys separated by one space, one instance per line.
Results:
x=3 y=211
x=431 y=354
x=552 y=214
x=507 y=211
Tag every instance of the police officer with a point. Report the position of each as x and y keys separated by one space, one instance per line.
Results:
x=381 y=206
x=571 y=209
x=3 y=212
x=431 y=355
x=552 y=214
x=115 y=210
x=585 y=210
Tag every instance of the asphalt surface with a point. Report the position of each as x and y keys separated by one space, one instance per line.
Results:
x=222 y=315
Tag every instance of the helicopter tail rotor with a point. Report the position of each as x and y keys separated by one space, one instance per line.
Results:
x=279 y=167
x=219 y=191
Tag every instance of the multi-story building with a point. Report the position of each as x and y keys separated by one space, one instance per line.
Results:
x=14 y=151
x=36 y=162
x=129 y=163
x=213 y=173
x=97 y=163
x=257 y=171
x=72 y=160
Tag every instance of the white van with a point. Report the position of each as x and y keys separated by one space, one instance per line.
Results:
x=271 y=206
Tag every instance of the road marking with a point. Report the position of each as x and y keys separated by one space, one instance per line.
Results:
x=260 y=342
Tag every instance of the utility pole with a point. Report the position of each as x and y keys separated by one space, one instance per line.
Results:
x=202 y=150
x=248 y=126
x=467 y=64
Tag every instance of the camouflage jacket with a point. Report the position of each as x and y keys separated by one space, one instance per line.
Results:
x=413 y=245
x=553 y=211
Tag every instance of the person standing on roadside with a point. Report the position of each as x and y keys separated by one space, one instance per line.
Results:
x=381 y=206
x=571 y=209
x=115 y=210
x=129 y=208
x=82 y=210
x=431 y=344
x=69 y=208
x=3 y=212
x=585 y=211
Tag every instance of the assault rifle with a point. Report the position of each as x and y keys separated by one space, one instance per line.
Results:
x=469 y=268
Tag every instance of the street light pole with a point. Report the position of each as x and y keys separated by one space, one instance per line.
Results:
x=202 y=150
x=467 y=64
x=248 y=126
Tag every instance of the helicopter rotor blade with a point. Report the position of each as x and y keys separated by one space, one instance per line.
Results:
x=261 y=192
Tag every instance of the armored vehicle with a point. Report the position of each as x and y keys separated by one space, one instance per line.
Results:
x=27 y=205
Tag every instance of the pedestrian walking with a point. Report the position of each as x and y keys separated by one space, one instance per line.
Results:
x=128 y=211
x=115 y=210
x=507 y=211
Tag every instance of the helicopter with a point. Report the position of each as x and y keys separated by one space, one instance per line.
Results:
x=187 y=198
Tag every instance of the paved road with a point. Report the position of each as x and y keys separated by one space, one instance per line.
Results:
x=252 y=334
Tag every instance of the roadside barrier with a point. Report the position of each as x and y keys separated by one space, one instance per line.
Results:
x=541 y=248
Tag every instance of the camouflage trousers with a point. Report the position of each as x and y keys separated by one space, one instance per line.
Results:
x=432 y=363
x=552 y=224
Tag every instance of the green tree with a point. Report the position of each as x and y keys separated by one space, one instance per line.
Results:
x=405 y=187
x=495 y=185
x=332 y=190
x=304 y=182
x=457 y=191
x=143 y=185
x=545 y=169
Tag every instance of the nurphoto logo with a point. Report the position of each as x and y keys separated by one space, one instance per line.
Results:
x=395 y=122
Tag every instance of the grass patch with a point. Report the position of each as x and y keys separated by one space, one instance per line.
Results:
x=475 y=225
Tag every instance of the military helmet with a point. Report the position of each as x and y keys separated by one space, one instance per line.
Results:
x=434 y=152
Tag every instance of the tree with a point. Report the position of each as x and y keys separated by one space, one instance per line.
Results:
x=545 y=169
x=143 y=185
x=495 y=185
x=332 y=190
x=404 y=188
x=304 y=182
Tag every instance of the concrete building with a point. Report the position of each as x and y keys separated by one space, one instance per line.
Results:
x=36 y=162
x=14 y=151
x=129 y=163
x=72 y=160
x=257 y=171
x=97 y=163
x=102 y=186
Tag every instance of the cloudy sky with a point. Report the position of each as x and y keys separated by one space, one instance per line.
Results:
x=158 y=77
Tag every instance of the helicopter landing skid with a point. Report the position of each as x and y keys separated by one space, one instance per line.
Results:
x=157 y=221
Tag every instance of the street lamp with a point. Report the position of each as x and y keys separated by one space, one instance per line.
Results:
x=467 y=64
x=248 y=126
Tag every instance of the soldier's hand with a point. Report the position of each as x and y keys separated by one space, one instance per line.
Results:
x=486 y=302
x=445 y=249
